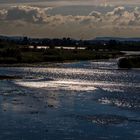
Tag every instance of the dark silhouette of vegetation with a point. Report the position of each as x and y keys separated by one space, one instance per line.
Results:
x=25 y=50
x=129 y=62
x=124 y=63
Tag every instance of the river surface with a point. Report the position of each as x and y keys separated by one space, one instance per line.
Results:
x=87 y=100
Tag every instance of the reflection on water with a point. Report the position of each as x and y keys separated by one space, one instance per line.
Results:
x=58 y=85
x=81 y=100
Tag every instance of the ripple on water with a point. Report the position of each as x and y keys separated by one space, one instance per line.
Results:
x=82 y=89
x=106 y=119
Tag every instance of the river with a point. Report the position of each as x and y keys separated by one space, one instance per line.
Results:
x=87 y=100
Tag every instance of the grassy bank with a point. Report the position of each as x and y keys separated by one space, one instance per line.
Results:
x=29 y=56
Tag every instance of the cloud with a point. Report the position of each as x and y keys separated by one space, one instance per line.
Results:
x=39 y=16
x=25 y=13
x=118 y=16
x=118 y=11
x=2 y=14
x=122 y=17
x=95 y=14
x=39 y=20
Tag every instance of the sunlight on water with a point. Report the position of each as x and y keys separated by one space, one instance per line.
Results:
x=59 y=85
x=76 y=85
x=79 y=100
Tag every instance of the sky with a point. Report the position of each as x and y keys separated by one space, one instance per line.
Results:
x=78 y=19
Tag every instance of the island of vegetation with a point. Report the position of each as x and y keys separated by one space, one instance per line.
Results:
x=129 y=62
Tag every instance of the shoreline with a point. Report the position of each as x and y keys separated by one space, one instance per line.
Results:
x=47 y=64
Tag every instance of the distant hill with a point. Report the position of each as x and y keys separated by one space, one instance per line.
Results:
x=11 y=37
x=98 y=39
x=116 y=38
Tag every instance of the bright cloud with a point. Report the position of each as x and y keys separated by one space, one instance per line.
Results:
x=40 y=21
x=119 y=16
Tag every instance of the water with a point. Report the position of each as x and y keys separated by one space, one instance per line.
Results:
x=75 y=101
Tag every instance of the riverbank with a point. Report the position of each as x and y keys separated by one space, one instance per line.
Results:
x=33 y=57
